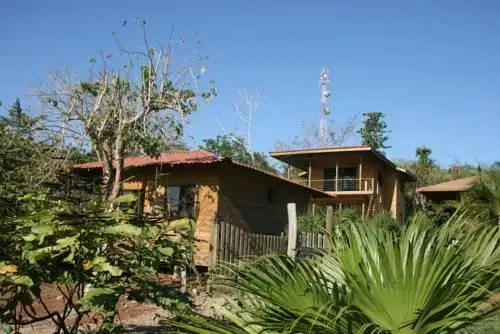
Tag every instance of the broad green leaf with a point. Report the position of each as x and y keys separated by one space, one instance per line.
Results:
x=101 y=299
x=21 y=280
x=126 y=230
x=43 y=229
x=127 y=198
x=100 y=264
x=182 y=224
x=167 y=251
x=68 y=241
x=29 y=237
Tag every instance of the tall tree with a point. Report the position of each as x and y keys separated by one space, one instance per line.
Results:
x=423 y=156
x=231 y=146
x=23 y=163
x=146 y=92
x=374 y=131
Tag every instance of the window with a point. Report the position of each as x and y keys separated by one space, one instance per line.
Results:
x=329 y=176
x=181 y=201
x=347 y=179
x=271 y=195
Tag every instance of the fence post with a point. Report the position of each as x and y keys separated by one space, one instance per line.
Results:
x=329 y=225
x=292 y=230
x=215 y=241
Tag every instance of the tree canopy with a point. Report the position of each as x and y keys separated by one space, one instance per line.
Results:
x=232 y=146
x=374 y=131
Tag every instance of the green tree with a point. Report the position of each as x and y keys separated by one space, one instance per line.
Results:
x=423 y=157
x=130 y=99
x=67 y=239
x=232 y=146
x=372 y=280
x=374 y=131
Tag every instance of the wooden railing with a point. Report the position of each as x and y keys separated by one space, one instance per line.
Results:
x=342 y=184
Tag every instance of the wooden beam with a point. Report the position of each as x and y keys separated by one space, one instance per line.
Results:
x=309 y=175
x=337 y=175
x=370 y=204
x=360 y=174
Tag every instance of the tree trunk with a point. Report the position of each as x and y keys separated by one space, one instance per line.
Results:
x=107 y=168
x=118 y=162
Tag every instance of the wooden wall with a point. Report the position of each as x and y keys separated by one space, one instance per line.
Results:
x=154 y=180
x=244 y=198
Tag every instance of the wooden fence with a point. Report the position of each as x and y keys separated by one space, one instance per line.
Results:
x=231 y=243
x=313 y=240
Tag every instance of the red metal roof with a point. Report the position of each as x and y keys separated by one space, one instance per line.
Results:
x=167 y=158
x=188 y=157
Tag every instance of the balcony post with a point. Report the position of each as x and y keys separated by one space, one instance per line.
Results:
x=309 y=175
x=360 y=174
x=337 y=175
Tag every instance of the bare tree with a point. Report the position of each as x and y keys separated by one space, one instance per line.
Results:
x=309 y=138
x=244 y=112
x=141 y=91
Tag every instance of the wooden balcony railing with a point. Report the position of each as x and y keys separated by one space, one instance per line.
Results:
x=364 y=185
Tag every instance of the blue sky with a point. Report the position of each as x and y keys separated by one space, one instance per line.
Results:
x=433 y=67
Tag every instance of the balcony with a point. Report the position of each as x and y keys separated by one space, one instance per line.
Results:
x=345 y=186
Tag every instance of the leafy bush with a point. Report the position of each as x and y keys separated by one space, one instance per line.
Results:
x=309 y=222
x=90 y=252
x=418 y=280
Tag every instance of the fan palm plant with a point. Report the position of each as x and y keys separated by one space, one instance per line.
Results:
x=483 y=198
x=371 y=280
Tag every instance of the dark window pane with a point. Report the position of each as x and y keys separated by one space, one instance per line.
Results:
x=181 y=201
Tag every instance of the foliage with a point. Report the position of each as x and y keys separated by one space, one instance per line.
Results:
x=316 y=222
x=21 y=155
x=309 y=222
x=421 y=280
x=428 y=172
x=483 y=198
x=233 y=147
x=128 y=105
x=92 y=254
x=374 y=131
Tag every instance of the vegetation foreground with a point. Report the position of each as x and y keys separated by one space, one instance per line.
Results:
x=421 y=279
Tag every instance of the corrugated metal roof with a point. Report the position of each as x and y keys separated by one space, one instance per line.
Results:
x=457 y=185
x=279 y=177
x=188 y=157
x=167 y=158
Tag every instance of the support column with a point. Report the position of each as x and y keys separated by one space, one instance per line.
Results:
x=337 y=175
x=363 y=210
x=309 y=175
x=360 y=174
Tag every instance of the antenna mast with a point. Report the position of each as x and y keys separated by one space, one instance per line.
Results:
x=325 y=111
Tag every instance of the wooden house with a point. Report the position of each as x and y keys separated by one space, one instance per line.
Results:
x=204 y=186
x=357 y=177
